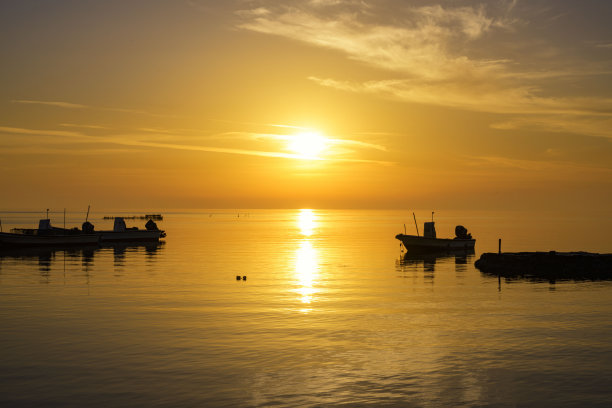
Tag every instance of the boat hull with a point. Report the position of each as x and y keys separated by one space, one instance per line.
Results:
x=130 y=235
x=413 y=242
x=17 y=240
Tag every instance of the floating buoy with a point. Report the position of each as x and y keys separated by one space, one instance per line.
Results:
x=237 y=277
x=244 y=277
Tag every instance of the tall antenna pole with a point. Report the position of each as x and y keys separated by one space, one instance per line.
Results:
x=87 y=213
x=47 y=213
x=415 y=224
x=432 y=213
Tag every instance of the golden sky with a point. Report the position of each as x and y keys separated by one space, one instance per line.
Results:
x=306 y=104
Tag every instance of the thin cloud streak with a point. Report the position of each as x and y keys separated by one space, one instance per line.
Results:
x=57 y=104
x=328 y=140
x=484 y=99
x=35 y=132
x=128 y=140
x=74 y=125
x=69 y=105
x=533 y=165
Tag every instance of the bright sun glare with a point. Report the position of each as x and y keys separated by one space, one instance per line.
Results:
x=307 y=222
x=309 y=145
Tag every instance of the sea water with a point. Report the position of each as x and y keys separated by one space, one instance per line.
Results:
x=289 y=308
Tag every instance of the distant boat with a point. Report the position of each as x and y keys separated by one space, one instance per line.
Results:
x=46 y=235
x=121 y=233
x=157 y=217
x=429 y=242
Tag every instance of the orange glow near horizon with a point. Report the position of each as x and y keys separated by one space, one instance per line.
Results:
x=328 y=104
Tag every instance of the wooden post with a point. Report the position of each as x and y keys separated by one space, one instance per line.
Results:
x=499 y=250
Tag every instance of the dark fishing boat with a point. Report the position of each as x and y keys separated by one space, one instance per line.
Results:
x=46 y=235
x=430 y=242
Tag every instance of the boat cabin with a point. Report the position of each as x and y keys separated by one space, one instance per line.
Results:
x=429 y=230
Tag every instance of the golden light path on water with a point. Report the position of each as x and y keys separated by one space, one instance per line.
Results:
x=307 y=222
x=306 y=258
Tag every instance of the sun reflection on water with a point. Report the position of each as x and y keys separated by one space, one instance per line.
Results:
x=306 y=259
x=306 y=270
x=307 y=222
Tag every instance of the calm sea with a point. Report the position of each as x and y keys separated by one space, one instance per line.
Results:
x=331 y=313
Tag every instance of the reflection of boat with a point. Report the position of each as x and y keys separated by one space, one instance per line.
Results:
x=49 y=258
x=429 y=242
x=37 y=251
x=46 y=235
x=25 y=252
x=121 y=233
x=460 y=256
x=429 y=260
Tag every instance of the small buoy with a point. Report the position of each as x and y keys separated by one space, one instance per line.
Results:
x=244 y=277
x=237 y=277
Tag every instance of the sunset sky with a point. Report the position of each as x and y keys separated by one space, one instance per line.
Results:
x=306 y=104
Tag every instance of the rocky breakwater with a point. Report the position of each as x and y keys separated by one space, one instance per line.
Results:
x=547 y=265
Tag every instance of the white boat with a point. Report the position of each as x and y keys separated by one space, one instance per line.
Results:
x=121 y=233
x=429 y=242
x=46 y=235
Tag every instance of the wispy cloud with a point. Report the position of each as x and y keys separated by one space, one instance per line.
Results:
x=70 y=105
x=480 y=97
x=39 y=132
x=75 y=125
x=592 y=125
x=137 y=140
x=416 y=47
x=329 y=141
x=431 y=56
x=543 y=165
x=57 y=104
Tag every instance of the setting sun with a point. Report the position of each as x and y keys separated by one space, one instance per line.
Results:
x=309 y=145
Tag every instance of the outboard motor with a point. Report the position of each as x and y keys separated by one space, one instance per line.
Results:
x=151 y=226
x=462 y=233
x=87 y=227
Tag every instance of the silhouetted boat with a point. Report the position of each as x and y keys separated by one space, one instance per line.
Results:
x=121 y=233
x=46 y=235
x=429 y=242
